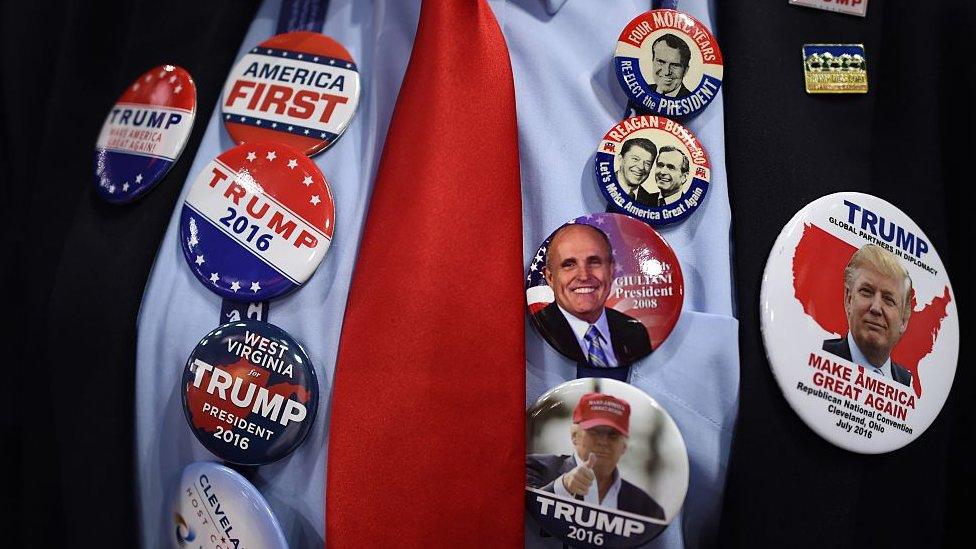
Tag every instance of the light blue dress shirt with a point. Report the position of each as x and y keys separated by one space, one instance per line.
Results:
x=567 y=97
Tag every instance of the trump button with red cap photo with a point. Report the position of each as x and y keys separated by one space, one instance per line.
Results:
x=605 y=465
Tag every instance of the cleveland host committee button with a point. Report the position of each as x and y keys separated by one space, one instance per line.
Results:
x=299 y=88
x=605 y=290
x=859 y=322
x=257 y=222
x=653 y=169
x=144 y=133
x=668 y=63
x=606 y=466
x=250 y=393
x=216 y=508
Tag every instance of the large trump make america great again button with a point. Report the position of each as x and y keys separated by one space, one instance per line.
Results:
x=144 y=133
x=257 y=222
x=249 y=392
x=300 y=88
x=859 y=322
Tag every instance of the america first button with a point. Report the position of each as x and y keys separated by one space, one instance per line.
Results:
x=299 y=88
x=144 y=133
x=668 y=63
x=257 y=222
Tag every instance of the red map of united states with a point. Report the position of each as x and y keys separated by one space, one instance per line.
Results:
x=818 y=284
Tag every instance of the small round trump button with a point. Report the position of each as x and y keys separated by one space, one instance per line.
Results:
x=605 y=464
x=299 y=88
x=257 y=222
x=668 y=63
x=249 y=392
x=216 y=508
x=144 y=133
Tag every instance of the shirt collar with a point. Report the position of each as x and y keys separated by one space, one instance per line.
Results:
x=580 y=327
x=858 y=358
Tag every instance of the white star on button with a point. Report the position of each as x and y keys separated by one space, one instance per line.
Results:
x=178 y=89
x=255 y=287
x=251 y=156
x=172 y=79
x=199 y=260
x=314 y=200
x=162 y=74
x=307 y=181
x=271 y=155
x=292 y=163
x=139 y=178
x=235 y=286
x=125 y=186
x=214 y=278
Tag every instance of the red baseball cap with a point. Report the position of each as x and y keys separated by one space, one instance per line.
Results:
x=599 y=409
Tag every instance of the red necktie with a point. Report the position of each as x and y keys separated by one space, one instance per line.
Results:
x=426 y=443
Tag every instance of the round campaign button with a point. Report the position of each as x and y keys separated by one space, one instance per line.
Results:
x=144 y=133
x=653 y=169
x=604 y=290
x=299 y=88
x=668 y=63
x=249 y=392
x=606 y=466
x=257 y=222
x=217 y=508
x=859 y=322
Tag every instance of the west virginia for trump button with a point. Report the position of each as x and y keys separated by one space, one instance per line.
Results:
x=604 y=290
x=859 y=322
x=605 y=464
x=216 y=508
x=299 y=88
x=144 y=133
x=668 y=63
x=249 y=392
x=653 y=169
x=257 y=222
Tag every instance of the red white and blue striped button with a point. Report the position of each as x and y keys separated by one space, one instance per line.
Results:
x=257 y=222
x=299 y=88
x=144 y=133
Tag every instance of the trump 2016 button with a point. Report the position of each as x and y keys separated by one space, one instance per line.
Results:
x=605 y=465
x=668 y=63
x=299 y=88
x=144 y=133
x=653 y=169
x=249 y=392
x=257 y=222
x=216 y=508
